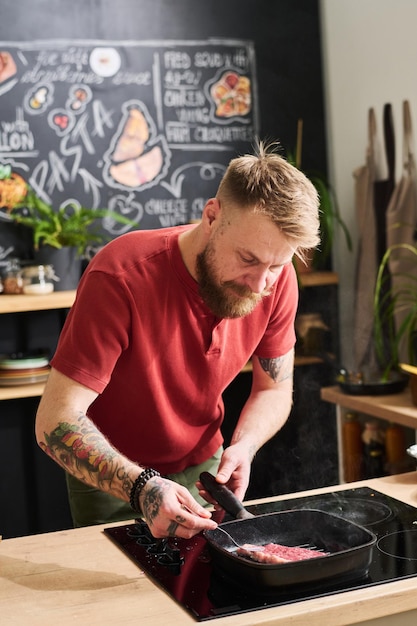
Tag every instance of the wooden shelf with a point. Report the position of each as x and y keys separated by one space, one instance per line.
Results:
x=396 y=407
x=318 y=279
x=22 y=303
x=25 y=303
x=300 y=361
x=21 y=391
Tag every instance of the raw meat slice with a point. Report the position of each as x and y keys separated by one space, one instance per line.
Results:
x=274 y=553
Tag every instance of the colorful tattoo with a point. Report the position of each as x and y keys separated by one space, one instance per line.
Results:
x=84 y=452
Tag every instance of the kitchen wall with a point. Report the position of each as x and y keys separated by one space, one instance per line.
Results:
x=370 y=54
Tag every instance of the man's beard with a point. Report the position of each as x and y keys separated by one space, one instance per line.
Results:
x=227 y=299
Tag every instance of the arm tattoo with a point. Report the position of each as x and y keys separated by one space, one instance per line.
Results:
x=274 y=368
x=84 y=452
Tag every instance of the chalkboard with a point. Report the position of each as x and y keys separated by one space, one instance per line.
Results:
x=146 y=123
x=143 y=128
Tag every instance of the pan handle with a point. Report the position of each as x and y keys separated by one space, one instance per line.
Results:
x=224 y=497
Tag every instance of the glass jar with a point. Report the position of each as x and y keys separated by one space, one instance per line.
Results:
x=38 y=279
x=12 y=280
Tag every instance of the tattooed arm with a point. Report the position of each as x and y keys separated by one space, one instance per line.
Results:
x=263 y=415
x=70 y=438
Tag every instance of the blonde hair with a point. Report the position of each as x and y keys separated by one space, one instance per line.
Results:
x=267 y=184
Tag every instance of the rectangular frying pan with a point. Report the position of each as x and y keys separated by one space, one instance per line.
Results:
x=347 y=545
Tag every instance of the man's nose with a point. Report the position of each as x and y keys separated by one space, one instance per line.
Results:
x=257 y=281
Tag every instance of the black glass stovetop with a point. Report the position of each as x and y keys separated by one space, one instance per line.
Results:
x=183 y=567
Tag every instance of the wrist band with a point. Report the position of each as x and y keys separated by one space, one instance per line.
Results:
x=137 y=487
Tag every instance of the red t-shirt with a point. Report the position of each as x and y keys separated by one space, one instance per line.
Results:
x=140 y=335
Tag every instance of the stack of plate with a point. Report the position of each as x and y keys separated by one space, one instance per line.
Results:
x=23 y=369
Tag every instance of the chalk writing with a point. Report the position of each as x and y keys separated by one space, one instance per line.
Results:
x=144 y=128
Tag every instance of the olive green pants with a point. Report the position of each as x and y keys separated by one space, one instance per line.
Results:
x=91 y=506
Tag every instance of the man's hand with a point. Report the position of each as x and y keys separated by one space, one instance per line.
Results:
x=234 y=471
x=170 y=510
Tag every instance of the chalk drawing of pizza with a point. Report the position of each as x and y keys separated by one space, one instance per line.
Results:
x=232 y=95
x=138 y=157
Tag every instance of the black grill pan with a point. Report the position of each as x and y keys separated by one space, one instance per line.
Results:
x=349 y=545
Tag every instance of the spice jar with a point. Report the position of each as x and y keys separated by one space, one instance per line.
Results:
x=38 y=279
x=395 y=446
x=12 y=280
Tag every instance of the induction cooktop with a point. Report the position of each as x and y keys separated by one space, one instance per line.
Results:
x=183 y=568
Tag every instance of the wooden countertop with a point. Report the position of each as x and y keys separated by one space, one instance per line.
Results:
x=79 y=575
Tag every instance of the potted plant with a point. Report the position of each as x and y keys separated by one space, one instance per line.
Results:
x=61 y=236
x=395 y=307
x=69 y=226
x=329 y=214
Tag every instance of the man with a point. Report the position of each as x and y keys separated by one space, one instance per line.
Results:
x=163 y=321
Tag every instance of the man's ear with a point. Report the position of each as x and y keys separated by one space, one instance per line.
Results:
x=211 y=211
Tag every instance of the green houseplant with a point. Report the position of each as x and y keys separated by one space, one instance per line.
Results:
x=395 y=308
x=69 y=226
x=329 y=214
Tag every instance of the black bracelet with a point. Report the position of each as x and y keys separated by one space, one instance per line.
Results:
x=137 y=487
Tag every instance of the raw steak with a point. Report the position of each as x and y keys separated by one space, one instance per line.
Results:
x=274 y=553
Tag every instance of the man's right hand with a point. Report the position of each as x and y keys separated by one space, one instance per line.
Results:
x=170 y=510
